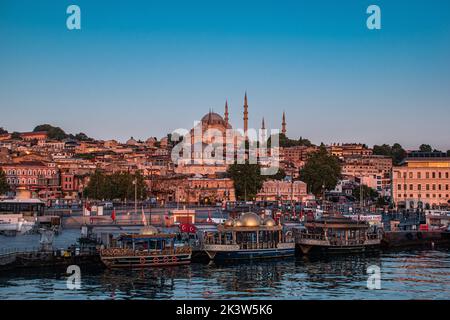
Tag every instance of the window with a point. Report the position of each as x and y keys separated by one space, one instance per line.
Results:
x=399 y=187
x=427 y=187
x=419 y=187
x=410 y=187
x=410 y=175
x=433 y=175
x=419 y=175
x=446 y=175
x=427 y=175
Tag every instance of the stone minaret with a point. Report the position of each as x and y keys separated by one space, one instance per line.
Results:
x=226 y=113
x=263 y=127
x=283 y=124
x=245 y=115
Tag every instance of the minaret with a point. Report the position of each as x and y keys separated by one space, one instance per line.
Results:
x=226 y=113
x=283 y=124
x=245 y=115
x=263 y=129
x=209 y=116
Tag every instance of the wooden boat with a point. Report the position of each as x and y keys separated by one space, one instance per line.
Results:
x=337 y=234
x=149 y=248
x=249 y=237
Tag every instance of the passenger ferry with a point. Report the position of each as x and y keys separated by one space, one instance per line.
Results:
x=18 y=216
x=249 y=237
x=149 y=248
x=337 y=234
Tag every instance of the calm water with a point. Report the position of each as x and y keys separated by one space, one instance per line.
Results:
x=404 y=275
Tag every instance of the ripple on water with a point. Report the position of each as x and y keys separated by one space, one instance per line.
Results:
x=404 y=275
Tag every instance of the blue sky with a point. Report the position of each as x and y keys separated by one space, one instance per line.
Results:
x=144 y=68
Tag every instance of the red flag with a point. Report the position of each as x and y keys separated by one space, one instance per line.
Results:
x=113 y=215
x=188 y=228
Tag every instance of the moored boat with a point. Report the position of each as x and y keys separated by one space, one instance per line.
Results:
x=337 y=234
x=149 y=248
x=249 y=237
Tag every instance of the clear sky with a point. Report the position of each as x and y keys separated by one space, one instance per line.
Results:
x=144 y=68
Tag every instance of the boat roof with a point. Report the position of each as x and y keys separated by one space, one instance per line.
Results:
x=223 y=228
x=17 y=200
x=340 y=222
x=146 y=237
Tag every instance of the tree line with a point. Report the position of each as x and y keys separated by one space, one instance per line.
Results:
x=119 y=185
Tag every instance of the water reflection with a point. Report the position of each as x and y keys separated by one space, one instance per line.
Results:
x=405 y=275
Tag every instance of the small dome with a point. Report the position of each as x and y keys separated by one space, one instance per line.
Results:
x=238 y=223
x=250 y=219
x=229 y=222
x=131 y=142
x=149 y=230
x=269 y=222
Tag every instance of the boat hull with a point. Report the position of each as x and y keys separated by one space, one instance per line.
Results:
x=234 y=255
x=306 y=249
x=145 y=261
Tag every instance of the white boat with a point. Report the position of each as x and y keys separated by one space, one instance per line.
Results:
x=15 y=224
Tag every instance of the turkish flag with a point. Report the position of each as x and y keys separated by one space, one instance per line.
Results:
x=188 y=228
x=113 y=215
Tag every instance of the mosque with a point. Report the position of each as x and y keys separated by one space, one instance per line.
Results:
x=210 y=132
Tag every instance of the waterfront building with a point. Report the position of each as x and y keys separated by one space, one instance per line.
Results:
x=40 y=178
x=423 y=181
x=273 y=190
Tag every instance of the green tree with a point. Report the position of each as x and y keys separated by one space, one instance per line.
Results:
x=247 y=180
x=119 y=185
x=285 y=142
x=425 y=148
x=4 y=187
x=15 y=135
x=367 y=192
x=321 y=170
x=96 y=188
x=55 y=133
x=3 y=131
x=82 y=137
x=280 y=175
x=448 y=153
x=396 y=152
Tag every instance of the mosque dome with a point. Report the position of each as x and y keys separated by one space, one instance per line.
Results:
x=269 y=222
x=250 y=219
x=212 y=116
x=149 y=230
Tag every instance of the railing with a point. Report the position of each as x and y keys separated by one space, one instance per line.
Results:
x=120 y=252
x=244 y=245
x=310 y=236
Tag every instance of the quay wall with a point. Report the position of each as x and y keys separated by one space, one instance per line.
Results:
x=399 y=239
